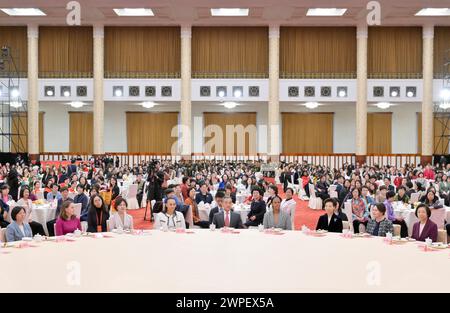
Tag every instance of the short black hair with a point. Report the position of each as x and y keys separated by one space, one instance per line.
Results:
x=381 y=207
x=291 y=189
x=390 y=194
x=219 y=194
x=16 y=210
x=22 y=191
x=64 y=189
x=332 y=200
x=168 y=190
x=4 y=186
x=427 y=208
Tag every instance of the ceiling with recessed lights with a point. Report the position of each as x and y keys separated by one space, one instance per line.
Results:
x=198 y=12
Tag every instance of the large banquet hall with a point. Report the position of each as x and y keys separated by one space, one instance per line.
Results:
x=207 y=146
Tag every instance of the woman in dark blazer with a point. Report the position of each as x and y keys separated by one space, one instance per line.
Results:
x=115 y=190
x=97 y=215
x=330 y=221
x=424 y=228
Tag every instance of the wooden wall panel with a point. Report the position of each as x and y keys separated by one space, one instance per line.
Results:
x=441 y=49
x=81 y=128
x=19 y=126
x=151 y=132
x=222 y=124
x=15 y=37
x=307 y=132
x=394 y=52
x=379 y=133
x=142 y=51
x=239 y=50
x=317 y=50
x=441 y=129
x=65 y=51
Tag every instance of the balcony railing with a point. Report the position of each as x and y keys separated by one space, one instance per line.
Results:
x=286 y=75
x=394 y=75
x=229 y=75
x=142 y=75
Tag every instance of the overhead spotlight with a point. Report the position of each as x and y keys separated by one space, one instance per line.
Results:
x=15 y=92
x=394 y=92
x=230 y=105
x=342 y=92
x=383 y=105
x=65 y=91
x=76 y=104
x=311 y=105
x=221 y=91
x=118 y=91
x=411 y=92
x=16 y=104
x=148 y=104
x=49 y=91
x=237 y=92
x=445 y=94
x=5 y=51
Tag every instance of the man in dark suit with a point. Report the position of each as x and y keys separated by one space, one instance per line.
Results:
x=339 y=184
x=290 y=177
x=330 y=221
x=72 y=168
x=226 y=218
x=219 y=208
x=257 y=209
x=203 y=195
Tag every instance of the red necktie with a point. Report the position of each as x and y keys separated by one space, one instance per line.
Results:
x=227 y=219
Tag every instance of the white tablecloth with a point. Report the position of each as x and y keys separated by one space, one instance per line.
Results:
x=250 y=257
x=42 y=214
x=409 y=215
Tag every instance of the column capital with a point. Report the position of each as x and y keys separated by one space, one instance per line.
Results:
x=186 y=31
x=33 y=31
x=362 y=31
x=274 y=31
x=99 y=31
x=428 y=31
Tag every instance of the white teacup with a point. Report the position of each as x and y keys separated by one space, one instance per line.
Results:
x=212 y=226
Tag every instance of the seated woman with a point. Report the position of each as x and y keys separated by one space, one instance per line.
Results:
x=424 y=228
x=120 y=219
x=35 y=191
x=190 y=201
x=275 y=217
x=18 y=228
x=431 y=200
x=401 y=195
x=4 y=206
x=97 y=215
x=330 y=221
x=67 y=221
x=27 y=204
x=288 y=204
x=390 y=197
x=360 y=212
x=169 y=217
x=272 y=191
x=379 y=225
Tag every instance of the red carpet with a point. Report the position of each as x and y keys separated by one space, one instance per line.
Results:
x=303 y=215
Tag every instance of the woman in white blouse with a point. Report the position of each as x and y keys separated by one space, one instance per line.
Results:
x=27 y=204
x=169 y=217
x=120 y=219
x=288 y=205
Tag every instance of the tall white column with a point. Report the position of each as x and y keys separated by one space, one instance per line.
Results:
x=33 y=102
x=186 y=105
x=427 y=101
x=273 y=133
x=99 y=104
x=361 y=101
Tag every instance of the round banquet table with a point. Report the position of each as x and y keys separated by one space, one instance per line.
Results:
x=409 y=215
x=42 y=214
x=258 y=262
